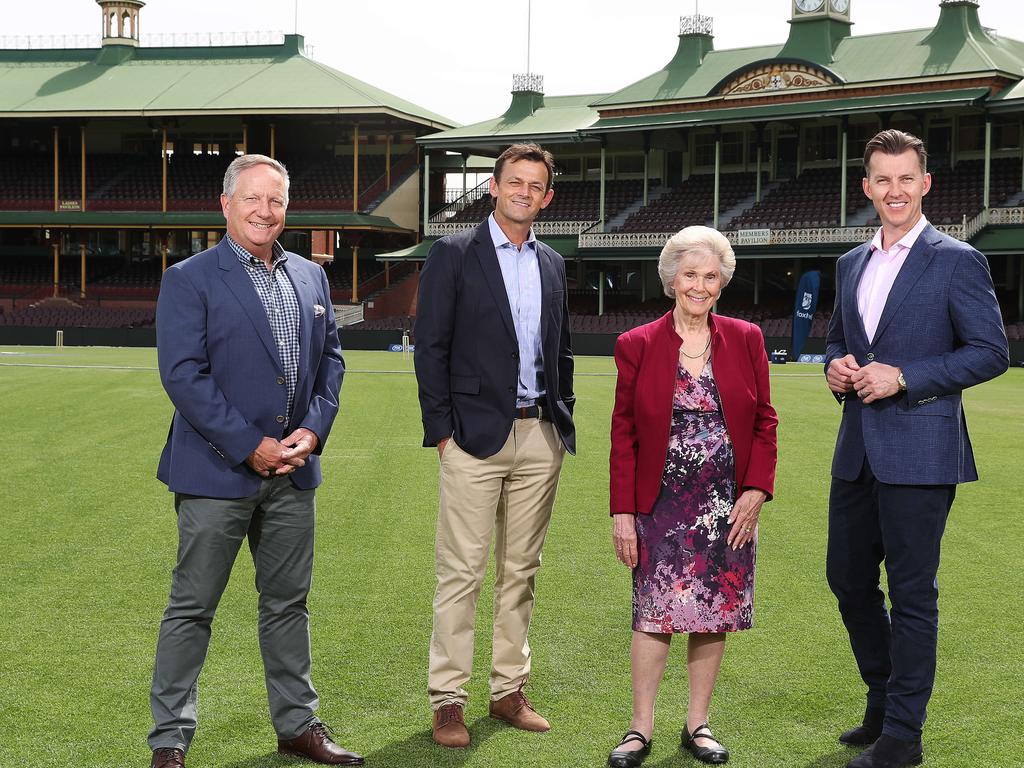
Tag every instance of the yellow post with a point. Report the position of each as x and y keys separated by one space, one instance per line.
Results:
x=56 y=168
x=387 y=163
x=163 y=156
x=355 y=169
x=81 y=252
x=387 y=274
x=273 y=140
x=163 y=254
x=56 y=268
x=245 y=139
x=355 y=274
x=83 y=167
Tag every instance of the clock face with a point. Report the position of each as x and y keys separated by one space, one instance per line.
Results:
x=840 y=6
x=809 y=6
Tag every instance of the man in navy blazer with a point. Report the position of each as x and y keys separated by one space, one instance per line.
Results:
x=494 y=368
x=916 y=322
x=249 y=356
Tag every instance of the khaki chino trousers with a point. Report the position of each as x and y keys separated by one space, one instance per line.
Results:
x=507 y=496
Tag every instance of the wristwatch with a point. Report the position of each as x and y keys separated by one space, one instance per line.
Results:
x=902 y=382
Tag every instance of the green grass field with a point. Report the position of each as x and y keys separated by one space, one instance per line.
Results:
x=88 y=541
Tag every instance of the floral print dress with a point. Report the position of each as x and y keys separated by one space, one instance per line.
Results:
x=687 y=578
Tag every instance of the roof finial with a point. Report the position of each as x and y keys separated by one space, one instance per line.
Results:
x=121 y=21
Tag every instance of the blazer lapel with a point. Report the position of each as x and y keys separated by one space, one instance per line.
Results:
x=239 y=283
x=484 y=248
x=547 y=277
x=850 y=308
x=304 y=295
x=917 y=262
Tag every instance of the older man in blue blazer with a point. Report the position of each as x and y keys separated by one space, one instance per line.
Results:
x=249 y=355
x=916 y=322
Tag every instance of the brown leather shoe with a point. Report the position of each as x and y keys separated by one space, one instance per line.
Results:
x=450 y=727
x=316 y=745
x=167 y=757
x=516 y=710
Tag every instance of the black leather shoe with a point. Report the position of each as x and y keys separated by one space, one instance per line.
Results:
x=714 y=755
x=889 y=752
x=630 y=758
x=867 y=732
x=167 y=757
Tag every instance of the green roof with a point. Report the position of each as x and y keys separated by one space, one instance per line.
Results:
x=958 y=46
x=124 y=81
x=816 y=108
x=529 y=116
x=183 y=219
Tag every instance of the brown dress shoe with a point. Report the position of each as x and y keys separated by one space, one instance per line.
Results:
x=167 y=757
x=516 y=710
x=316 y=745
x=450 y=727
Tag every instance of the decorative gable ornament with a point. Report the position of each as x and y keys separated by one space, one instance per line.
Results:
x=775 y=77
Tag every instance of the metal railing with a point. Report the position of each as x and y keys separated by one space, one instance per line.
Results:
x=154 y=40
x=540 y=228
x=1006 y=216
x=461 y=202
x=348 y=314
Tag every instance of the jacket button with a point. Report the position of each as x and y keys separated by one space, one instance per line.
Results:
x=280 y=419
x=871 y=355
x=280 y=379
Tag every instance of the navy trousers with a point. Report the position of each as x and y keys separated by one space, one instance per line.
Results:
x=870 y=522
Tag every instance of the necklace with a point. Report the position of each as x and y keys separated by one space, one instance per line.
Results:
x=702 y=352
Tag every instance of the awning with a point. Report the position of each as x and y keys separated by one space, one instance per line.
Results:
x=798 y=109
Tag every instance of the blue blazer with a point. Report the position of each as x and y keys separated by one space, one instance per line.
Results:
x=941 y=325
x=221 y=369
x=467 y=356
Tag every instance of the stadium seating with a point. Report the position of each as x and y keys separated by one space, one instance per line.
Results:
x=573 y=201
x=813 y=199
x=692 y=202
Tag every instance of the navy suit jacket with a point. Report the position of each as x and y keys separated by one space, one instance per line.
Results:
x=941 y=325
x=220 y=367
x=467 y=356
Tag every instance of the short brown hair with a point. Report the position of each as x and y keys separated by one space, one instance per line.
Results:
x=532 y=152
x=894 y=142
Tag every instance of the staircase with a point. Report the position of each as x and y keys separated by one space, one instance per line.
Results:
x=725 y=217
x=619 y=219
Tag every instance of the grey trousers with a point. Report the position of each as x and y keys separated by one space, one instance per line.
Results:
x=278 y=521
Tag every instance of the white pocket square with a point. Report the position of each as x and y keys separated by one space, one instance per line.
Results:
x=318 y=310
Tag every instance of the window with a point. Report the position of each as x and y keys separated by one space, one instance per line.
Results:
x=972 y=133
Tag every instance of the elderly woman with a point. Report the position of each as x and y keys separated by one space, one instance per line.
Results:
x=692 y=460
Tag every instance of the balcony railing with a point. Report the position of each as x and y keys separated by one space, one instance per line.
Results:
x=540 y=228
x=1006 y=216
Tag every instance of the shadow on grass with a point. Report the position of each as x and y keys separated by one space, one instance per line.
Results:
x=681 y=759
x=418 y=749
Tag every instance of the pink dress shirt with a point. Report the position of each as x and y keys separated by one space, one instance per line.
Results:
x=880 y=274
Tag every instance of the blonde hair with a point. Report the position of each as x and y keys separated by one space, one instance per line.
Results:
x=696 y=239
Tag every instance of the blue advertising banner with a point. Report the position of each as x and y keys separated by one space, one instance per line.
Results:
x=803 y=310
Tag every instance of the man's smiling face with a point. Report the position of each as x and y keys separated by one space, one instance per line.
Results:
x=255 y=211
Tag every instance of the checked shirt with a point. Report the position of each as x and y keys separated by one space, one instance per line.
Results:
x=275 y=290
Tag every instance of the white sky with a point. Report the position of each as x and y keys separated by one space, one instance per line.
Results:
x=457 y=57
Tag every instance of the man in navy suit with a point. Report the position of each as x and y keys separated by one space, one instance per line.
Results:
x=494 y=369
x=249 y=355
x=915 y=323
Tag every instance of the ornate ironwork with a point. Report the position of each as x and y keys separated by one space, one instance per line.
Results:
x=527 y=82
x=439 y=229
x=34 y=42
x=1006 y=216
x=696 y=24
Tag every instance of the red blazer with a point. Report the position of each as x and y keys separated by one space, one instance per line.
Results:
x=647 y=359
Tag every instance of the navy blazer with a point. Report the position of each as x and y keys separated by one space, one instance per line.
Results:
x=220 y=367
x=941 y=325
x=467 y=356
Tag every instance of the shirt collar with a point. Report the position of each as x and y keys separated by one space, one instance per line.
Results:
x=500 y=239
x=278 y=255
x=906 y=242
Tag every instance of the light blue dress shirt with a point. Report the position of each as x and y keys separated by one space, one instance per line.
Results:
x=520 y=270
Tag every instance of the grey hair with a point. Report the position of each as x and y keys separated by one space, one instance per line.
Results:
x=244 y=163
x=695 y=239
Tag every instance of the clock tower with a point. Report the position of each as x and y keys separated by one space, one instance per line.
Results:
x=839 y=10
x=817 y=28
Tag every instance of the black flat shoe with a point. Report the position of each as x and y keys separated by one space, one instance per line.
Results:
x=889 y=752
x=866 y=733
x=714 y=755
x=630 y=758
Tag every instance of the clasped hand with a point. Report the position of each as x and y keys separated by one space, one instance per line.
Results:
x=874 y=381
x=281 y=457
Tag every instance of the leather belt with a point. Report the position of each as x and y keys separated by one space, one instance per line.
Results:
x=530 y=412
